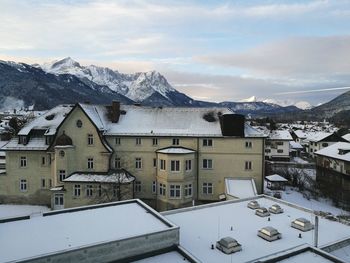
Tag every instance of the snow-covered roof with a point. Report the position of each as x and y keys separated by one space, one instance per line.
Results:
x=317 y=136
x=333 y=151
x=78 y=228
x=280 y=135
x=118 y=176
x=346 y=137
x=276 y=178
x=161 y=121
x=175 y=150
x=234 y=219
x=295 y=145
x=48 y=121
x=34 y=144
x=300 y=134
x=168 y=257
x=240 y=187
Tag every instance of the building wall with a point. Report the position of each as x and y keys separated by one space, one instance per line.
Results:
x=36 y=173
x=275 y=149
x=316 y=146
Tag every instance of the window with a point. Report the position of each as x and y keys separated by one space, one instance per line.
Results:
x=23 y=161
x=154 y=162
x=162 y=189
x=89 y=190
x=154 y=141
x=162 y=165
x=62 y=175
x=188 y=165
x=117 y=163
x=176 y=141
x=99 y=190
x=175 y=191
x=324 y=144
x=62 y=154
x=267 y=150
x=79 y=123
x=207 y=188
x=175 y=165
x=138 y=163
x=43 y=183
x=117 y=141
x=138 y=141
x=248 y=144
x=90 y=139
x=248 y=165
x=188 y=190
x=22 y=139
x=77 y=190
x=280 y=150
x=58 y=199
x=43 y=160
x=23 y=185
x=137 y=186
x=207 y=142
x=279 y=143
x=207 y=164
x=90 y=163
x=154 y=187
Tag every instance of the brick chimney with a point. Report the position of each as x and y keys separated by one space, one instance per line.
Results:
x=115 y=112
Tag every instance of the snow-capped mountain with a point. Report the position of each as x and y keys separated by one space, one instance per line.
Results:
x=251 y=99
x=304 y=105
x=140 y=87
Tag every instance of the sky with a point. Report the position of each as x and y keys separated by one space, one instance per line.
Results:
x=210 y=50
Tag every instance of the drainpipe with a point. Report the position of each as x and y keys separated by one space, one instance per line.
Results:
x=316 y=232
x=156 y=203
x=263 y=166
x=197 y=168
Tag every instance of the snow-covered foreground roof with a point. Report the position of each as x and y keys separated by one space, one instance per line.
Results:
x=21 y=210
x=35 y=144
x=240 y=188
x=76 y=228
x=48 y=121
x=161 y=121
x=333 y=151
x=283 y=135
x=169 y=257
x=216 y=221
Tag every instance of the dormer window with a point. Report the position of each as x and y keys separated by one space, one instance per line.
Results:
x=22 y=140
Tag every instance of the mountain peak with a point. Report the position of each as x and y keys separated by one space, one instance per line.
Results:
x=250 y=99
x=66 y=62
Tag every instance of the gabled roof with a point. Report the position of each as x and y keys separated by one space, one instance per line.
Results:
x=317 y=136
x=332 y=151
x=48 y=121
x=346 y=137
x=276 y=178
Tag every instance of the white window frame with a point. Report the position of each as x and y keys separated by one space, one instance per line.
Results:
x=117 y=163
x=188 y=165
x=89 y=190
x=162 y=164
x=188 y=190
x=138 y=141
x=175 y=166
x=176 y=141
x=90 y=163
x=61 y=175
x=23 y=185
x=162 y=189
x=90 y=139
x=207 y=164
x=138 y=163
x=23 y=162
x=138 y=187
x=117 y=141
x=77 y=190
x=248 y=144
x=207 y=188
x=248 y=165
x=207 y=143
x=175 y=191
x=155 y=141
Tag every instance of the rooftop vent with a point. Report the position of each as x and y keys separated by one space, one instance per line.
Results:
x=302 y=224
x=269 y=233
x=253 y=204
x=50 y=117
x=210 y=116
x=228 y=245
x=262 y=211
x=343 y=151
x=276 y=209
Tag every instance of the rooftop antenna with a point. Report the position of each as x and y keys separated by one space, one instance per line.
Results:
x=218 y=227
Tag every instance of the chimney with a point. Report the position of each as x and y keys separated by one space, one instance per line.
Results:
x=115 y=112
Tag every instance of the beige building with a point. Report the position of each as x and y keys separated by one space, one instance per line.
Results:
x=83 y=154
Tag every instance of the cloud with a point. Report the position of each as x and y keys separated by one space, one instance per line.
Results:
x=296 y=57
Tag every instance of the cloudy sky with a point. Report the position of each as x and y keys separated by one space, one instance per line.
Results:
x=211 y=50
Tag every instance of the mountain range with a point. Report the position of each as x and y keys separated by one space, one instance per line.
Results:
x=66 y=81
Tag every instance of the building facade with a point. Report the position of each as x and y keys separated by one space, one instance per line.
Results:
x=83 y=154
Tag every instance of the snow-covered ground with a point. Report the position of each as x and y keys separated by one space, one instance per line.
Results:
x=21 y=210
x=299 y=160
x=293 y=196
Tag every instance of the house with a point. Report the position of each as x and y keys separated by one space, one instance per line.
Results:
x=319 y=140
x=168 y=157
x=333 y=171
x=276 y=182
x=295 y=149
x=277 y=145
